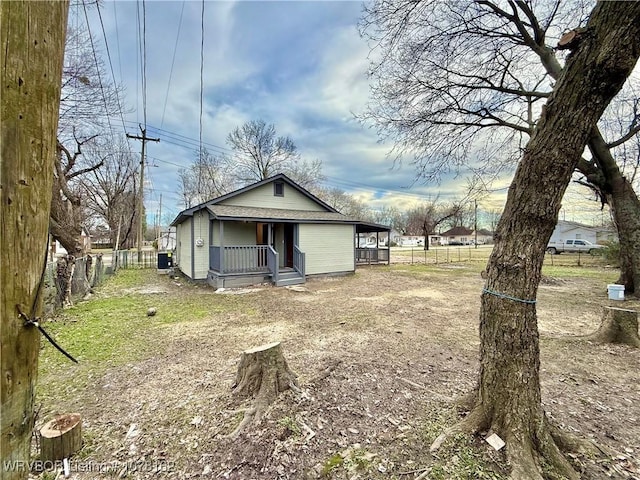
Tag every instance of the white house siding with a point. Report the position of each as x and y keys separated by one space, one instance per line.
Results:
x=201 y=253
x=327 y=248
x=183 y=247
x=263 y=197
x=572 y=231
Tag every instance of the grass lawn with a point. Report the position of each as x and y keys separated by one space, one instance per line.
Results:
x=380 y=357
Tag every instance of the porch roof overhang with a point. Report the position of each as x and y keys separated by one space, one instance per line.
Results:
x=367 y=227
x=258 y=214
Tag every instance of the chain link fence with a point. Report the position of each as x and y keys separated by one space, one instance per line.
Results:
x=69 y=279
x=468 y=253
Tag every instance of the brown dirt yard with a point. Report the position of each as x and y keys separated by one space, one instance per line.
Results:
x=380 y=357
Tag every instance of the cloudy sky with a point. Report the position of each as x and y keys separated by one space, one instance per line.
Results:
x=300 y=65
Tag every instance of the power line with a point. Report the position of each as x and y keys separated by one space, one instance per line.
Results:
x=115 y=16
x=201 y=87
x=173 y=60
x=95 y=59
x=191 y=142
x=106 y=43
x=144 y=62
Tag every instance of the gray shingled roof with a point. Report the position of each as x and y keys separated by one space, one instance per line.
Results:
x=232 y=212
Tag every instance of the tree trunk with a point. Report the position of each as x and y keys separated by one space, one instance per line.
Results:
x=31 y=56
x=618 y=326
x=509 y=399
x=67 y=233
x=625 y=208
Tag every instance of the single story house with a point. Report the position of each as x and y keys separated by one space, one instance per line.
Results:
x=457 y=236
x=271 y=231
x=566 y=230
x=465 y=236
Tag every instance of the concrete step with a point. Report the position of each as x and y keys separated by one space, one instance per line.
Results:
x=291 y=274
x=290 y=280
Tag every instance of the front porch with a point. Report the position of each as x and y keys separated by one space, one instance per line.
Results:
x=244 y=265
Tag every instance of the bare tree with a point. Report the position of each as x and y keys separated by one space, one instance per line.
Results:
x=390 y=216
x=343 y=202
x=87 y=101
x=258 y=153
x=110 y=191
x=461 y=82
x=32 y=37
x=209 y=176
x=426 y=218
x=88 y=97
x=508 y=400
x=68 y=212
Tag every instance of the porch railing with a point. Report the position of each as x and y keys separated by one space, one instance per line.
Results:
x=239 y=259
x=372 y=255
x=298 y=260
x=273 y=263
x=214 y=258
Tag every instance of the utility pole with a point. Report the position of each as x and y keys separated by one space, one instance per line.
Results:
x=475 y=222
x=159 y=219
x=144 y=139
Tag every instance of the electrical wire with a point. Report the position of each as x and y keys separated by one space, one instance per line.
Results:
x=173 y=61
x=95 y=59
x=144 y=64
x=113 y=76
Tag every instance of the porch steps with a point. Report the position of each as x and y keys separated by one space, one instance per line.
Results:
x=289 y=278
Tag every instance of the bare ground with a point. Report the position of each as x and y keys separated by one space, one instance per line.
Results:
x=380 y=356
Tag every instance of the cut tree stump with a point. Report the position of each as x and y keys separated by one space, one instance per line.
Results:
x=618 y=326
x=262 y=375
x=61 y=437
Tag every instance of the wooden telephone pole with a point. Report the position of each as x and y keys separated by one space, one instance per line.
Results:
x=31 y=56
x=144 y=140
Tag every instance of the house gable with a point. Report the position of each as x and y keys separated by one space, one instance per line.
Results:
x=275 y=194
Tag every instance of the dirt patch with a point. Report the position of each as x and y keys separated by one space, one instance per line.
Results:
x=379 y=355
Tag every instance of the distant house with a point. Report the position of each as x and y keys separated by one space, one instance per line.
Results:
x=410 y=241
x=457 y=236
x=57 y=250
x=566 y=230
x=483 y=236
x=271 y=231
x=167 y=239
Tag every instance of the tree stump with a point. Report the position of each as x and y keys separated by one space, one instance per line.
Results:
x=61 y=437
x=262 y=374
x=618 y=326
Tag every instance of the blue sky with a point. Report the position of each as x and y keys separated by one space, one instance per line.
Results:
x=299 y=65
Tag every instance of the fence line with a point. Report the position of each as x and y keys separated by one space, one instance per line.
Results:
x=133 y=259
x=462 y=254
x=88 y=272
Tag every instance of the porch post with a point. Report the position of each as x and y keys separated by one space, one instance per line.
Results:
x=221 y=246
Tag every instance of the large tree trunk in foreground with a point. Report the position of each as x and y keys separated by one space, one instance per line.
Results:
x=509 y=400
x=31 y=57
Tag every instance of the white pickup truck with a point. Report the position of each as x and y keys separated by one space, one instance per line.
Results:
x=584 y=246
